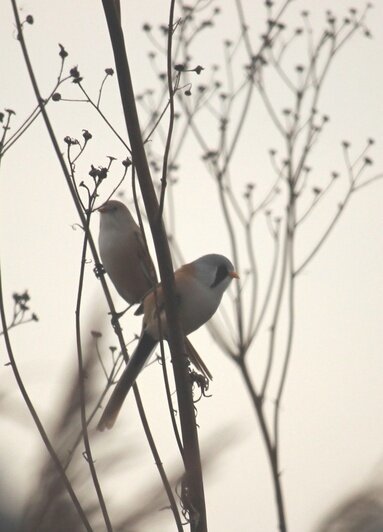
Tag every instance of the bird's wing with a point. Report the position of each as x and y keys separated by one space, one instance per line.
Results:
x=144 y=259
x=149 y=308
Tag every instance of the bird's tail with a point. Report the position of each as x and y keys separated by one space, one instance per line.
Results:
x=196 y=360
x=128 y=378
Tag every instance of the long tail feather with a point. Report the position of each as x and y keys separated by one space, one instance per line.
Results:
x=128 y=378
x=196 y=360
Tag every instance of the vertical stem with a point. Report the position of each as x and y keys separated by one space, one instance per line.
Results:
x=171 y=108
x=270 y=446
x=277 y=309
x=84 y=425
x=107 y=296
x=196 y=498
x=291 y=314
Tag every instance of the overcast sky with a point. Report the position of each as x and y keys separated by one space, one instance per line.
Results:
x=332 y=441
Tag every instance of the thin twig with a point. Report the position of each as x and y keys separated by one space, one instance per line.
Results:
x=92 y=245
x=171 y=91
x=84 y=425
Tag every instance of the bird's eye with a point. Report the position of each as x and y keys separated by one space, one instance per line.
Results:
x=220 y=275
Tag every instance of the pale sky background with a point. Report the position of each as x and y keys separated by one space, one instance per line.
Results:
x=332 y=416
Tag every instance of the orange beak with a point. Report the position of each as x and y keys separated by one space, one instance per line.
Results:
x=234 y=275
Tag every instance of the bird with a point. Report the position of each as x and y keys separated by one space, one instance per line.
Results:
x=200 y=286
x=123 y=252
x=127 y=261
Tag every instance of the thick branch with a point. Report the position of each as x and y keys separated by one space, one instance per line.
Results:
x=176 y=337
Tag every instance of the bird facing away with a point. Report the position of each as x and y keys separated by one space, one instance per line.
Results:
x=123 y=252
x=200 y=286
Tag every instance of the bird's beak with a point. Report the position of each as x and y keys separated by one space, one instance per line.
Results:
x=234 y=275
x=102 y=208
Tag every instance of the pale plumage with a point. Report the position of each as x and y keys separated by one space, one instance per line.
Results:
x=200 y=286
x=123 y=252
x=127 y=262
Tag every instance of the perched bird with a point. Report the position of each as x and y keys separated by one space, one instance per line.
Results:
x=123 y=252
x=128 y=263
x=199 y=286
